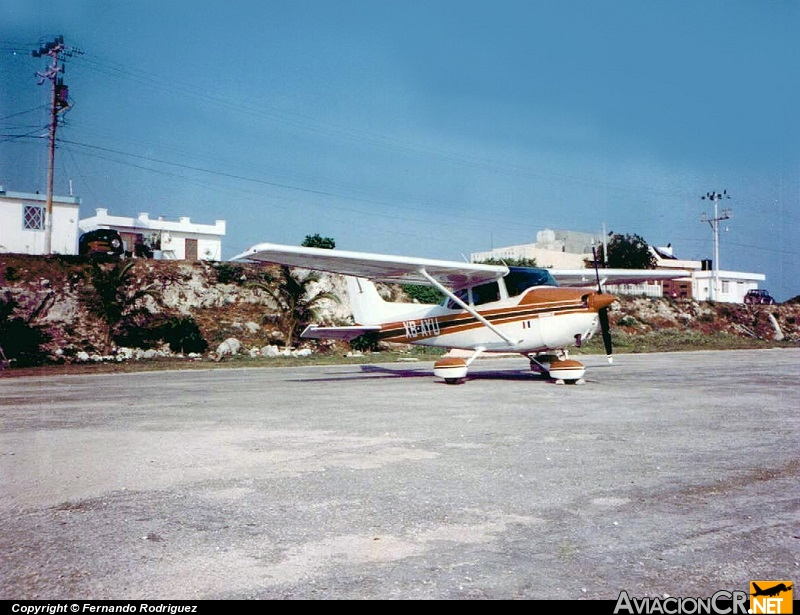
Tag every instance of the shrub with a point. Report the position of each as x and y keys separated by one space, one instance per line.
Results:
x=423 y=294
x=366 y=342
x=11 y=274
x=183 y=334
x=229 y=273
x=21 y=341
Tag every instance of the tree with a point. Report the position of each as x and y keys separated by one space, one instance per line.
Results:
x=298 y=305
x=315 y=241
x=115 y=299
x=626 y=252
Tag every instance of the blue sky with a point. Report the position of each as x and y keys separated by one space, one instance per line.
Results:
x=434 y=128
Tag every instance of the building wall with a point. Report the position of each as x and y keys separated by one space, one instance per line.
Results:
x=544 y=257
x=14 y=237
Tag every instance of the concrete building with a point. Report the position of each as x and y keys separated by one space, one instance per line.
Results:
x=181 y=239
x=22 y=223
x=553 y=249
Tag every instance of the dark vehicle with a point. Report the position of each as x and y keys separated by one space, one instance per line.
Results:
x=101 y=244
x=758 y=297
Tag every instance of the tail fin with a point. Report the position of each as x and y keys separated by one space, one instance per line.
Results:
x=369 y=308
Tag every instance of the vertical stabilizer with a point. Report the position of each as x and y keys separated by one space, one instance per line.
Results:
x=368 y=306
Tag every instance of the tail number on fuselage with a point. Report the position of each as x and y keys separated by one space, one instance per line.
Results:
x=425 y=327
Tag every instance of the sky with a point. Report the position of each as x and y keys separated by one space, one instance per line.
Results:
x=430 y=128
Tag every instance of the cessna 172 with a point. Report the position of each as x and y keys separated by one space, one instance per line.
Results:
x=487 y=308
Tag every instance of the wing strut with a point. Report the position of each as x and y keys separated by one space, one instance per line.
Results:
x=435 y=283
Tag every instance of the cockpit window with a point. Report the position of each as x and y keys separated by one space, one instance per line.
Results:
x=519 y=279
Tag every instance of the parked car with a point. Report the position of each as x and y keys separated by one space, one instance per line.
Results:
x=758 y=297
x=101 y=244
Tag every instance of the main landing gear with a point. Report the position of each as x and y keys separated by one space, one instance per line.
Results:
x=559 y=368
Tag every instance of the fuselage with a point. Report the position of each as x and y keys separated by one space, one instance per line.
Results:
x=532 y=319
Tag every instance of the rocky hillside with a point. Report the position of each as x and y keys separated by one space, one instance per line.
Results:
x=51 y=297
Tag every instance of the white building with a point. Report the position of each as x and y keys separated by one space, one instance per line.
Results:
x=22 y=223
x=553 y=250
x=181 y=239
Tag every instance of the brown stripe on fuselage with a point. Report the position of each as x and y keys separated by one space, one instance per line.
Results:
x=532 y=305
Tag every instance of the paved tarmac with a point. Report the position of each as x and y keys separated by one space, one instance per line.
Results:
x=665 y=474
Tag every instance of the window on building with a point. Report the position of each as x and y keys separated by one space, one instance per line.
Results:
x=33 y=218
x=726 y=286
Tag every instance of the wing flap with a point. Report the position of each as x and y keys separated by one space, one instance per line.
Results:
x=379 y=267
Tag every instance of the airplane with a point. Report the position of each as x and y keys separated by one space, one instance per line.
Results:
x=487 y=308
x=771 y=591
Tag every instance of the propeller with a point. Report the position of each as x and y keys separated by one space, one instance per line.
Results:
x=602 y=313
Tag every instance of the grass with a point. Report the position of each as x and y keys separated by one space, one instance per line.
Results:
x=673 y=341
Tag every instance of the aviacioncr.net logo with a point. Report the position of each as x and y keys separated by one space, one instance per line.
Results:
x=721 y=603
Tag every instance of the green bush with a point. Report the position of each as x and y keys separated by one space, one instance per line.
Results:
x=366 y=342
x=21 y=341
x=183 y=335
x=229 y=273
x=423 y=294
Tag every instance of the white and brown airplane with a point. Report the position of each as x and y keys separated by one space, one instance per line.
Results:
x=487 y=308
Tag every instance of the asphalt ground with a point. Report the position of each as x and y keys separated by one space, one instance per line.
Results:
x=665 y=474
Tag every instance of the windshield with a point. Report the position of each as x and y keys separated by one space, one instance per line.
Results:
x=519 y=279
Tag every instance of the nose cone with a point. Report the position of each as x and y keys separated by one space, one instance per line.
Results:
x=598 y=301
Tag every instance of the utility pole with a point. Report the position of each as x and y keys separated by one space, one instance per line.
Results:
x=59 y=100
x=714 y=223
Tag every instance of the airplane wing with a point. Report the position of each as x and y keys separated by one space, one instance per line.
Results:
x=379 y=267
x=588 y=277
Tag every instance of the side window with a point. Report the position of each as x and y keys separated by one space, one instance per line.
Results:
x=485 y=293
x=33 y=218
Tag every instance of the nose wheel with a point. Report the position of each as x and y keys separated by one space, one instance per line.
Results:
x=450 y=369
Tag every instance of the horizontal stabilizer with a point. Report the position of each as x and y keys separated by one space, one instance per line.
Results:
x=337 y=333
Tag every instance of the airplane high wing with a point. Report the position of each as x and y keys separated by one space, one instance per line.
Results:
x=488 y=308
x=378 y=267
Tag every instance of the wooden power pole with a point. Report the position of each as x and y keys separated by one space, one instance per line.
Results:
x=59 y=100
